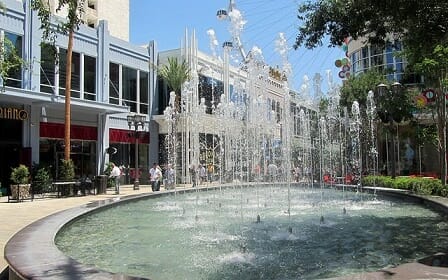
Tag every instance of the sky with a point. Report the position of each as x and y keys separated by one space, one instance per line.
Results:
x=166 y=21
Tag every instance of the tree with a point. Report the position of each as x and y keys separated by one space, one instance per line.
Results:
x=393 y=109
x=356 y=88
x=75 y=10
x=418 y=24
x=435 y=68
x=175 y=74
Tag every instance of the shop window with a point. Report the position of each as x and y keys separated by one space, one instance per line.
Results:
x=13 y=51
x=114 y=83
x=211 y=90
x=47 y=68
x=129 y=88
x=75 y=73
x=144 y=92
x=51 y=152
x=89 y=78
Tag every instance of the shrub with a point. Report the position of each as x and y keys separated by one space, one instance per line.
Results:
x=40 y=178
x=418 y=185
x=67 y=170
x=20 y=175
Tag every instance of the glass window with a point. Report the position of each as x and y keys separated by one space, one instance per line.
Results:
x=356 y=62
x=89 y=78
x=129 y=88
x=114 y=83
x=365 y=58
x=377 y=56
x=210 y=89
x=144 y=92
x=13 y=47
x=47 y=68
x=83 y=153
x=75 y=73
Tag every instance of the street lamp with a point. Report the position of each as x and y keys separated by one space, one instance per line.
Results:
x=136 y=121
x=389 y=111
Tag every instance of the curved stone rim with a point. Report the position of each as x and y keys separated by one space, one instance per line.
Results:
x=32 y=253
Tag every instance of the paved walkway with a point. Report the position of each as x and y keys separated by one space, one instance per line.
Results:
x=15 y=216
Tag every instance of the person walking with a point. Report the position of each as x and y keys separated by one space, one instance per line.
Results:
x=192 y=170
x=202 y=174
x=169 y=174
x=154 y=175
x=115 y=174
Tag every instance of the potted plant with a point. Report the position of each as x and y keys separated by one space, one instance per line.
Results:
x=41 y=179
x=20 y=178
x=67 y=174
x=107 y=171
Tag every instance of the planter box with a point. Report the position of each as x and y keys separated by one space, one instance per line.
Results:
x=20 y=192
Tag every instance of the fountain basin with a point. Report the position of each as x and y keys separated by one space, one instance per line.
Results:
x=32 y=261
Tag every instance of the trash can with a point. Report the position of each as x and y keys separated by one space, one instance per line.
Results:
x=101 y=184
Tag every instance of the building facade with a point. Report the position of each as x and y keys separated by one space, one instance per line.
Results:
x=411 y=157
x=115 y=12
x=111 y=79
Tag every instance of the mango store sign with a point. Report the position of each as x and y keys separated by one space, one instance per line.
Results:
x=11 y=113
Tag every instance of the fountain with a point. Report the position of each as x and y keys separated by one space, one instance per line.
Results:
x=251 y=225
x=219 y=236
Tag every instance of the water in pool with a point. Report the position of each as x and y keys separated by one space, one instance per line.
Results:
x=216 y=234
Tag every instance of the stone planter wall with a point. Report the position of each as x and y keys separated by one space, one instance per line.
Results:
x=20 y=192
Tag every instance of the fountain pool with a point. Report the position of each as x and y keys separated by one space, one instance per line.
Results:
x=215 y=234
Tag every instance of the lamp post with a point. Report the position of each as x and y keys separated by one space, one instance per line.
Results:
x=389 y=111
x=136 y=121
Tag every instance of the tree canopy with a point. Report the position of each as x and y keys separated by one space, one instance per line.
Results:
x=175 y=73
x=420 y=24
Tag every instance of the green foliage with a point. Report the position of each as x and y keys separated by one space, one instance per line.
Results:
x=357 y=87
x=20 y=175
x=66 y=170
x=417 y=22
x=72 y=22
x=426 y=134
x=175 y=73
x=40 y=178
x=107 y=171
x=418 y=185
x=108 y=168
x=435 y=65
x=10 y=60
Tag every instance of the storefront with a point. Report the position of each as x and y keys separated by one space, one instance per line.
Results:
x=83 y=148
x=11 y=150
x=122 y=144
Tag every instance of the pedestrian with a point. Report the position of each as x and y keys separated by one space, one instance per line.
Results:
x=202 y=174
x=297 y=174
x=154 y=175
x=115 y=175
x=272 y=171
x=192 y=170
x=159 y=177
x=169 y=174
x=210 y=172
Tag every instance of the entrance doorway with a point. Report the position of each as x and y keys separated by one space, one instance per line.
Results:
x=10 y=148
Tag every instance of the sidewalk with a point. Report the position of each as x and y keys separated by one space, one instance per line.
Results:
x=15 y=216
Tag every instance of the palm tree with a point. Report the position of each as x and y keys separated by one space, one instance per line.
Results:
x=175 y=74
x=75 y=10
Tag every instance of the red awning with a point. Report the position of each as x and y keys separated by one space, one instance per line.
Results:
x=80 y=132
x=77 y=132
x=127 y=136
